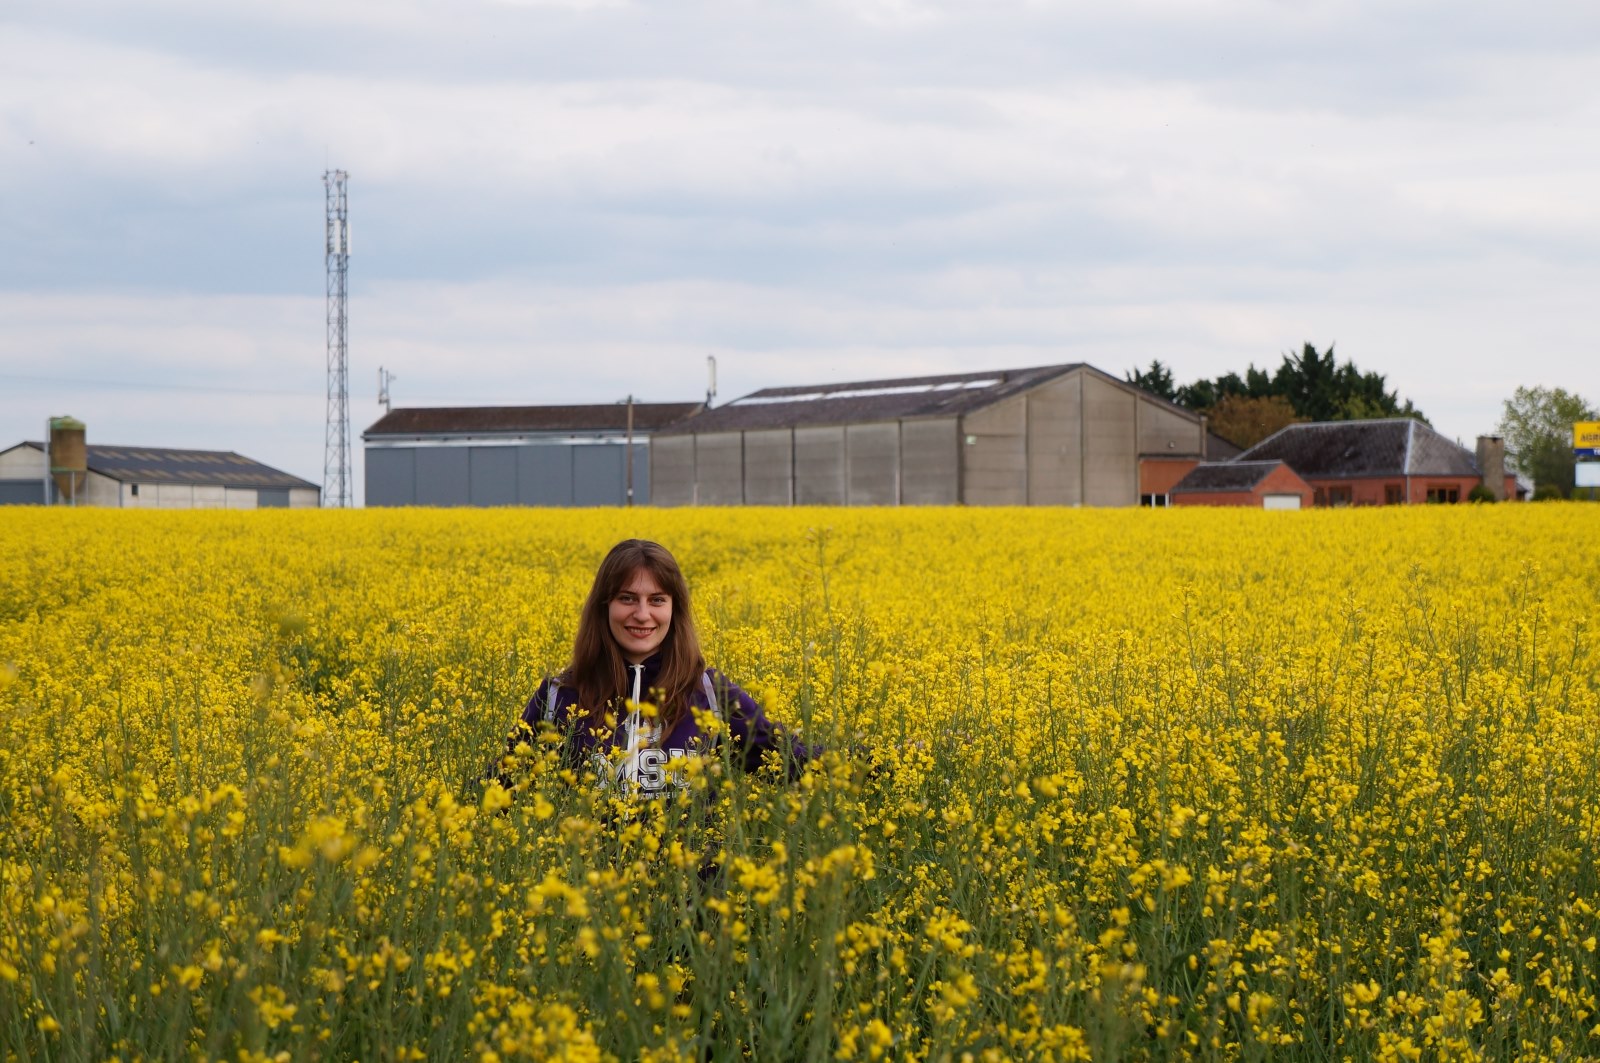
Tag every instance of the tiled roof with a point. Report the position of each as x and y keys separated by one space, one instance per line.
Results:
x=861 y=401
x=1394 y=447
x=486 y=420
x=1225 y=476
x=165 y=465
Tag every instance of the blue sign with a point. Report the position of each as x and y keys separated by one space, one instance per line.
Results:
x=1582 y=453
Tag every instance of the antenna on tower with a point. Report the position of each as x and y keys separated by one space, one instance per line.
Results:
x=336 y=487
x=711 y=382
x=385 y=378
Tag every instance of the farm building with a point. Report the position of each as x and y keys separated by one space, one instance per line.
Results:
x=1052 y=435
x=1262 y=484
x=1385 y=462
x=72 y=471
x=515 y=455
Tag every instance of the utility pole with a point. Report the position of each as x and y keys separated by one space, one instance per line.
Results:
x=336 y=485
x=629 y=459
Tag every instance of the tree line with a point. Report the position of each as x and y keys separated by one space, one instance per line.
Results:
x=1309 y=386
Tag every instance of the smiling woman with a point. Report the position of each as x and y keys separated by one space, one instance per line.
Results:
x=637 y=700
x=641 y=615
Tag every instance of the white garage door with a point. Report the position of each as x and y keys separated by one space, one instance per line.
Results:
x=1280 y=501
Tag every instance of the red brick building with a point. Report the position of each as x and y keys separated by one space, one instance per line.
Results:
x=1158 y=473
x=1260 y=484
x=1384 y=462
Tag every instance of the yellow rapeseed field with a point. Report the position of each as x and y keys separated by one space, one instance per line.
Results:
x=1112 y=785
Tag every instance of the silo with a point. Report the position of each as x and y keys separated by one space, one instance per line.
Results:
x=69 y=457
x=1492 y=465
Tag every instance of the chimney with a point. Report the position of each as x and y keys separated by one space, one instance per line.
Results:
x=1492 y=465
x=69 y=458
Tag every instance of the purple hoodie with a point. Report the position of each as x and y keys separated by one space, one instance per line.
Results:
x=647 y=768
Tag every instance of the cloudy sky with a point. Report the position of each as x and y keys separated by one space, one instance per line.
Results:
x=558 y=201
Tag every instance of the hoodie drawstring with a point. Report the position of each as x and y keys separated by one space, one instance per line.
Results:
x=634 y=720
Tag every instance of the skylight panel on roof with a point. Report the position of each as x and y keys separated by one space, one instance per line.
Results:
x=866 y=393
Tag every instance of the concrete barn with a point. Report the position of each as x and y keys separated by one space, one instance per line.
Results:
x=1392 y=461
x=150 y=478
x=514 y=455
x=1066 y=435
x=1261 y=484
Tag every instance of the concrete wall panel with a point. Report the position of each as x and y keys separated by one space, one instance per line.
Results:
x=994 y=454
x=1055 y=436
x=443 y=476
x=873 y=454
x=930 y=462
x=493 y=472
x=719 y=468
x=102 y=491
x=257 y=497
x=1111 y=454
x=304 y=498
x=1163 y=430
x=22 y=463
x=769 y=467
x=391 y=476
x=172 y=496
x=819 y=466
x=672 y=470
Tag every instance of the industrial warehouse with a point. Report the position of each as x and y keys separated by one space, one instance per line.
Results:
x=1062 y=435
x=1051 y=435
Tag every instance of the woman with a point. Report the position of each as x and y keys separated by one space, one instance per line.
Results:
x=636 y=645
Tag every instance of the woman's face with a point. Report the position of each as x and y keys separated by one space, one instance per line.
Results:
x=641 y=614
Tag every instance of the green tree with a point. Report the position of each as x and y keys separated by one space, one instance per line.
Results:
x=1537 y=427
x=1157 y=380
x=1315 y=385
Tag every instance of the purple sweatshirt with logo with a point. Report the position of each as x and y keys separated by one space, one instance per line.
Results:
x=647 y=764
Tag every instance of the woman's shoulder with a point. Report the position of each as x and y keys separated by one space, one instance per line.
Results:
x=552 y=695
x=727 y=696
x=714 y=680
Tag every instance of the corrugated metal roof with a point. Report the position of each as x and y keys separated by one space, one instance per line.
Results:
x=1348 y=449
x=165 y=465
x=1225 y=476
x=487 y=420
x=863 y=401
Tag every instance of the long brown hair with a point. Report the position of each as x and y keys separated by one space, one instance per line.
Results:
x=598 y=669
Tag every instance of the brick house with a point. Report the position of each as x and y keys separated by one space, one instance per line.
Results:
x=1384 y=462
x=1259 y=484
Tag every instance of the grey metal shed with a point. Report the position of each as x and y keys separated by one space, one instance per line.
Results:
x=1050 y=435
x=514 y=455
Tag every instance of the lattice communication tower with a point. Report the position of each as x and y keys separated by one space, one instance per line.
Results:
x=336 y=478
